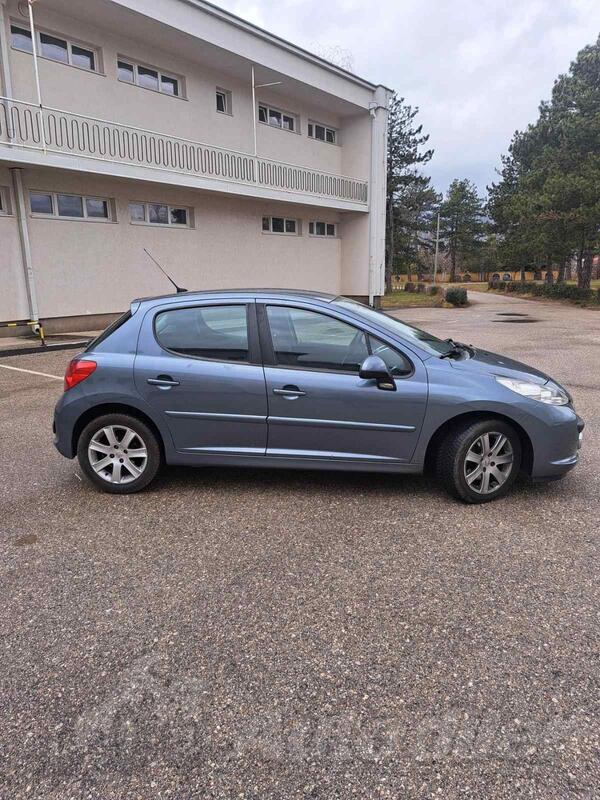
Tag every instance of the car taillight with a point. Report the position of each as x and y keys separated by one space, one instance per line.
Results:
x=77 y=371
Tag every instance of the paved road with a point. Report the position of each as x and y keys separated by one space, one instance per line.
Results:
x=236 y=634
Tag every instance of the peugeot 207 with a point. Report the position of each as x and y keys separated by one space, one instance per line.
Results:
x=292 y=379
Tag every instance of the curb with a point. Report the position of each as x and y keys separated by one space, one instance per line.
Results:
x=49 y=348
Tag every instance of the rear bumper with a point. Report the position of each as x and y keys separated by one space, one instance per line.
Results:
x=62 y=438
x=70 y=407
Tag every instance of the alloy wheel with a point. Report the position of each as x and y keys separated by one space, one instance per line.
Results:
x=489 y=462
x=117 y=454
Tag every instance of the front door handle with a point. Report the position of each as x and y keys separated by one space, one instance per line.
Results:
x=291 y=392
x=164 y=381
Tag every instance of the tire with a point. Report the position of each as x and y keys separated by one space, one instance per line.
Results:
x=107 y=461
x=466 y=457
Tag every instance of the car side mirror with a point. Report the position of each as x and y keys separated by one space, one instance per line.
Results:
x=374 y=368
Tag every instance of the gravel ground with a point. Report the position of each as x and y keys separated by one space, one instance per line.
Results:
x=263 y=634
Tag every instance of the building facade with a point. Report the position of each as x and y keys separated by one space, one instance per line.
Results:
x=234 y=157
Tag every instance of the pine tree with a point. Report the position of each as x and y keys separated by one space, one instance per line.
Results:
x=546 y=205
x=408 y=192
x=462 y=224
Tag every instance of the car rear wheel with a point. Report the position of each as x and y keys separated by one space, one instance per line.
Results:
x=119 y=453
x=480 y=461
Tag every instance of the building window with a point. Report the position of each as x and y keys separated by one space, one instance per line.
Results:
x=20 y=39
x=223 y=99
x=277 y=119
x=56 y=48
x=322 y=132
x=290 y=227
x=149 y=78
x=160 y=214
x=53 y=48
x=81 y=57
x=41 y=203
x=72 y=206
x=4 y=201
x=322 y=229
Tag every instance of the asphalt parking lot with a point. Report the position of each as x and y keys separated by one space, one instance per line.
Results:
x=231 y=634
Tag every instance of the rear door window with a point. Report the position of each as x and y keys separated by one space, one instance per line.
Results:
x=215 y=332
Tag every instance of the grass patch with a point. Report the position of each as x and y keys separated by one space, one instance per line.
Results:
x=411 y=300
x=471 y=286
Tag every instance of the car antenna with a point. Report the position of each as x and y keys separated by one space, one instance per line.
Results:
x=178 y=289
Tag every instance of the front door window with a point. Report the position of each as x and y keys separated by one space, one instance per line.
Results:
x=310 y=340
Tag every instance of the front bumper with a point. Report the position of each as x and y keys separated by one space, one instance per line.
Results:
x=560 y=451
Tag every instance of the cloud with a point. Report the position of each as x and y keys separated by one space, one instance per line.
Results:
x=477 y=69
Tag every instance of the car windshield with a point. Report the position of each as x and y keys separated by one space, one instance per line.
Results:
x=431 y=344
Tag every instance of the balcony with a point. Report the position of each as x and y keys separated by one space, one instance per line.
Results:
x=49 y=135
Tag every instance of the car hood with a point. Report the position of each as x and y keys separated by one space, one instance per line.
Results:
x=483 y=361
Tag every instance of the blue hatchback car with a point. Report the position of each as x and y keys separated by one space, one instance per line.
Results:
x=292 y=379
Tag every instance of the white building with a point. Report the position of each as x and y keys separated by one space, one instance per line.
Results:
x=233 y=156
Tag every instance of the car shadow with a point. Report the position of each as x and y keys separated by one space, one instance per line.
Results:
x=301 y=482
x=296 y=480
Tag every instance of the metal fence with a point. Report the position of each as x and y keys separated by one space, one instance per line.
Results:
x=52 y=130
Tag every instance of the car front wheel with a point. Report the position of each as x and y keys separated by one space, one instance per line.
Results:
x=118 y=453
x=480 y=461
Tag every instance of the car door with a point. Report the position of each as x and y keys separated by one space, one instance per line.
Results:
x=199 y=366
x=319 y=407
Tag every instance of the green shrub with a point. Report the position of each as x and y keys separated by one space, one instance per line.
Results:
x=421 y=288
x=563 y=291
x=433 y=289
x=457 y=296
x=512 y=286
x=409 y=287
x=555 y=291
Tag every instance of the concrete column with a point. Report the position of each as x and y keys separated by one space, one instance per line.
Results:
x=377 y=192
x=5 y=78
x=22 y=219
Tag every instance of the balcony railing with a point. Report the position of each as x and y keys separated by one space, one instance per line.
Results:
x=51 y=130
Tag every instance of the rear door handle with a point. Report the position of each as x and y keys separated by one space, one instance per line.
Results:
x=162 y=380
x=290 y=392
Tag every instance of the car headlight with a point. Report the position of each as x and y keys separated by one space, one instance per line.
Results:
x=545 y=394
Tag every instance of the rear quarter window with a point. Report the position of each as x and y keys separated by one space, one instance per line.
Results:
x=114 y=326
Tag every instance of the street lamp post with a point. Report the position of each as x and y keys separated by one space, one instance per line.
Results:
x=36 y=70
x=437 y=248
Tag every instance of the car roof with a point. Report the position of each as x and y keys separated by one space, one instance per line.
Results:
x=284 y=294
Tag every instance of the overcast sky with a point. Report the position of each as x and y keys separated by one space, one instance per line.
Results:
x=477 y=69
